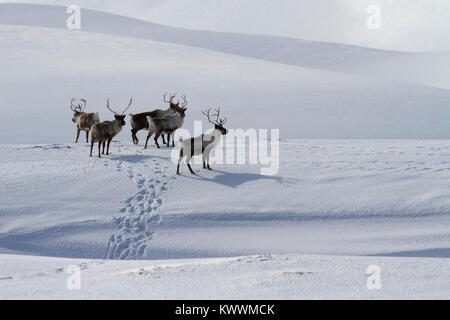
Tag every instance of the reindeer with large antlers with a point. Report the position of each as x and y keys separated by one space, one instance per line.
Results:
x=83 y=120
x=104 y=132
x=139 y=121
x=167 y=124
x=204 y=143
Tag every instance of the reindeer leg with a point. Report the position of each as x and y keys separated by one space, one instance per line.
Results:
x=107 y=149
x=173 y=140
x=87 y=136
x=164 y=140
x=92 y=146
x=157 y=134
x=179 y=160
x=78 y=135
x=99 y=145
x=188 y=160
x=148 y=137
x=146 y=141
x=207 y=160
x=104 y=143
x=134 y=136
x=168 y=140
x=190 y=169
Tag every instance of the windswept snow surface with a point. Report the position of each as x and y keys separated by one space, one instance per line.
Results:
x=329 y=197
x=249 y=277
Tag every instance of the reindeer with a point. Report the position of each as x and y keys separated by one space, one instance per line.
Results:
x=104 y=132
x=83 y=120
x=167 y=124
x=204 y=143
x=139 y=121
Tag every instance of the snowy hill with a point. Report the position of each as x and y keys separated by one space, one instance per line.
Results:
x=406 y=25
x=345 y=99
x=431 y=69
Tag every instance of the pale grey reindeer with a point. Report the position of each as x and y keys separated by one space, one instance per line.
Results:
x=104 y=132
x=204 y=143
x=167 y=124
x=83 y=120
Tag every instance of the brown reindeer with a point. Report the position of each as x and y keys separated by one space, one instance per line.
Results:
x=83 y=120
x=104 y=132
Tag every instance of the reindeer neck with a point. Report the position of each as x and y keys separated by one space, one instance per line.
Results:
x=216 y=134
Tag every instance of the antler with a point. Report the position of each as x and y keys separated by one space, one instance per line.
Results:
x=185 y=102
x=109 y=108
x=172 y=96
x=129 y=105
x=218 y=121
x=72 y=107
x=84 y=105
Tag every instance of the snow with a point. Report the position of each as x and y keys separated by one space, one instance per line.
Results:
x=364 y=158
x=45 y=64
x=406 y=25
x=429 y=69
x=329 y=197
x=248 y=277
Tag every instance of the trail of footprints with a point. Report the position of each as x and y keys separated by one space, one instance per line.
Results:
x=140 y=216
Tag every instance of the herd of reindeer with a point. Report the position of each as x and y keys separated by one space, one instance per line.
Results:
x=158 y=122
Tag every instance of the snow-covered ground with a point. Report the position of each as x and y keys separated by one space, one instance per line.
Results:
x=309 y=231
x=329 y=197
x=250 y=277
x=358 y=198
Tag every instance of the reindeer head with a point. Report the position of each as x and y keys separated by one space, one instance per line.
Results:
x=77 y=110
x=173 y=105
x=119 y=117
x=218 y=123
x=176 y=106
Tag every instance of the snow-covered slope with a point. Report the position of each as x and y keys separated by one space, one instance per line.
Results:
x=250 y=277
x=47 y=67
x=406 y=25
x=432 y=69
x=334 y=91
x=335 y=197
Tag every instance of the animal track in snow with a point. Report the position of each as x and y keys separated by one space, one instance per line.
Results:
x=139 y=217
